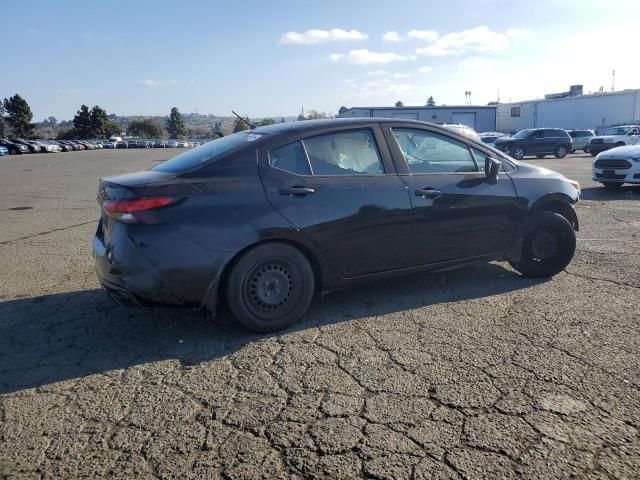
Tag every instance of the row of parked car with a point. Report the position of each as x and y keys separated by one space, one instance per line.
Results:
x=20 y=146
x=559 y=142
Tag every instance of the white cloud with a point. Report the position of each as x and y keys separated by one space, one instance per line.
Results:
x=425 y=69
x=150 y=83
x=478 y=63
x=391 y=37
x=315 y=36
x=478 y=39
x=400 y=75
x=377 y=73
x=382 y=88
x=427 y=35
x=367 y=57
x=517 y=32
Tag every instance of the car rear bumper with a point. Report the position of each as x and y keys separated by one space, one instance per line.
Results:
x=160 y=267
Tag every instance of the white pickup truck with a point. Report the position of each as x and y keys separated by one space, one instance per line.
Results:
x=615 y=137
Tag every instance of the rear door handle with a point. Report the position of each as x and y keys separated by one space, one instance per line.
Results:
x=298 y=191
x=428 y=193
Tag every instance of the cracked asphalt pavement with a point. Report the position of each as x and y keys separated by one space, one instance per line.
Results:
x=476 y=373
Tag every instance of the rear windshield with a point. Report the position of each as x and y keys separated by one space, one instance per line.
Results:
x=204 y=153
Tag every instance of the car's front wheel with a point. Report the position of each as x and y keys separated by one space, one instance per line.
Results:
x=270 y=287
x=516 y=151
x=548 y=245
x=560 y=151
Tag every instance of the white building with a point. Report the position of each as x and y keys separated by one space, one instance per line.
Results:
x=581 y=111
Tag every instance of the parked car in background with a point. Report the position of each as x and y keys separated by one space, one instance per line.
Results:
x=122 y=144
x=263 y=219
x=463 y=130
x=133 y=144
x=617 y=166
x=536 y=141
x=49 y=147
x=490 y=137
x=581 y=139
x=3 y=151
x=65 y=146
x=14 y=148
x=110 y=144
x=182 y=144
x=170 y=144
x=158 y=144
x=31 y=145
x=614 y=137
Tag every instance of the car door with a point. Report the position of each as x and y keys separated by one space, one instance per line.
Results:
x=458 y=213
x=339 y=188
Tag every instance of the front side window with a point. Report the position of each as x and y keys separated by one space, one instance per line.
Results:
x=429 y=152
x=290 y=158
x=352 y=152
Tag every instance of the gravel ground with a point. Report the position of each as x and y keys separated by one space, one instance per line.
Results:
x=476 y=373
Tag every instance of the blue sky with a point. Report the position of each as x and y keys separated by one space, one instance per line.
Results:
x=269 y=58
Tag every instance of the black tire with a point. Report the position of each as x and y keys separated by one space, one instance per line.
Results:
x=13 y=151
x=586 y=148
x=593 y=154
x=516 y=152
x=548 y=245
x=572 y=151
x=270 y=287
x=612 y=185
x=540 y=155
x=560 y=151
x=620 y=144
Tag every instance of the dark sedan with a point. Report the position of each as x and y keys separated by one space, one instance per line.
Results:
x=13 y=147
x=266 y=218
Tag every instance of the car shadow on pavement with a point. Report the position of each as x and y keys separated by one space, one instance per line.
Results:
x=626 y=192
x=65 y=336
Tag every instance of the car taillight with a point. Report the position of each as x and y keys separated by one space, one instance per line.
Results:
x=135 y=210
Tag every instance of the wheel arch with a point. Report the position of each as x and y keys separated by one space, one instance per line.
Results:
x=215 y=295
x=558 y=203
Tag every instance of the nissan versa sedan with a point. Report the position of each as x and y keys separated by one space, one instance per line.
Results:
x=263 y=219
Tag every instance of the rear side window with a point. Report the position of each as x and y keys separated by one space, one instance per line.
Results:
x=350 y=152
x=429 y=152
x=209 y=151
x=290 y=158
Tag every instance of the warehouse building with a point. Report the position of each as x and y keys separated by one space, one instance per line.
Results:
x=570 y=110
x=480 y=118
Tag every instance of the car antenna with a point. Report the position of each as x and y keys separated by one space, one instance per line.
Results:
x=250 y=125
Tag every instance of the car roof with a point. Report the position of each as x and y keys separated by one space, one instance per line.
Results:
x=304 y=126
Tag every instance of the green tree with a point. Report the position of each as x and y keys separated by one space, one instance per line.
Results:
x=99 y=120
x=300 y=118
x=266 y=121
x=431 y=102
x=111 y=129
x=82 y=123
x=2 y=120
x=399 y=104
x=175 y=124
x=146 y=128
x=19 y=116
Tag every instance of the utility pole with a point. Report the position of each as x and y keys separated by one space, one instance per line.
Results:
x=613 y=81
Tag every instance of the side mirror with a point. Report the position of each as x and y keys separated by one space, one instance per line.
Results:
x=491 y=169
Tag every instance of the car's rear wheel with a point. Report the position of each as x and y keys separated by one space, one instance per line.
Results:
x=270 y=287
x=612 y=185
x=548 y=245
x=560 y=151
x=540 y=155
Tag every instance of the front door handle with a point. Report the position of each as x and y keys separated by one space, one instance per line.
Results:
x=428 y=193
x=298 y=191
